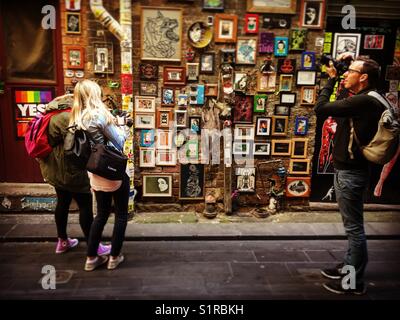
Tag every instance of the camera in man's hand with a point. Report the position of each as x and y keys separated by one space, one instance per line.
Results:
x=124 y=118
x=341 y=66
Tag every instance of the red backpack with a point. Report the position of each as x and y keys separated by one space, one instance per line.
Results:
x=36 y=140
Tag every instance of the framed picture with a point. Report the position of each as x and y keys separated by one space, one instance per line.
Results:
x=244 y=132
x=308 y=60
x=279 y=125
x=148 y=88
x=298 y=187
x=312 y=14
x=276 y=21
x=251 y=23
x=157 y=185
x=286 y=66
x=210 y=21
x=191 y=182
x=246 y=49
x=243 y=110
x=196 y=94
x=166 y=158
x=147 y=157
x=246 y=179
x=192 y=71
x=260 y=103
x=266 y=81
x=213 y=5
x=148 y=71
x=301 y=126
x=73 y=22
x=164 y=118
x=211 y=90
x=180 y=118
x=146 y=138
x=299 y=166
x=298 y=39
x=103 y=57
x=164 y=139
x=273 y=6
x=183 y=99
x=281 y=147
x=266 y=43
x=240 y=82
x=281 y=46
x=145 y=104
x=306 y=78
x=167 y=97
x=285 y=82
x=207 y=62
x=261 y=148
x=373 y=41
x=75 y=57
x=282 y=110
x=227 y=56
x=179 y=138
x=144 y=120
x=241 y=148
x=73 y=5
x=225 y=28
x=346 y=42
x=195 y=125
x=263 y=127
x=308 y=96
x=199 y=35
x=189 y=153
x=175 y=76
x=288 y=98
x=299 y=148
x=156 y=43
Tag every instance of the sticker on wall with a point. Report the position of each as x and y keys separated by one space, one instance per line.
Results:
x=126 y=83
x=73 y=5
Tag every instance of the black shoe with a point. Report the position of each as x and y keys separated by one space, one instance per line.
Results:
x=336 y=287
x=333 y=273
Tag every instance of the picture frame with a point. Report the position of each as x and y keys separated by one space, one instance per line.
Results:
x=301 y=126
x=103 y=56
x=243 y=132
x=240 y=81
x=180 y=118
x=262 y=148
x=312 y=14
x=260 y=103
x=210 y=21
x=266 y=42
x=195 y=124
x=192 y=71
x=282 y=110
x=227 y=56
x=281 y=147
x=273 y=6
x=166 y=158
x=196 y=94
x=183 y=99
x=199 y=35
x=281 y=46
x=298 y=37
x=147 y=157
x=207 y=61
x=286 y=66
x=287 y=98
x=225 y=28
x=75 y=57
x=174 y=76
x=164 y=118
x=374 y=41
x=167 y=97
x=246 y=179
x=266 y=81
x=299 y=166
x=152 y=33
x=157 y=185
x=308 y=95
x=251 y=23
x=73 y=23
x=346 y=42
x=163 y=139
x=279 y=125
x=148 y=71
x=246 y=50
x=148 y=88
x=308 y=60
x=145 y=104
x=191 y=181
x=263 y=126
x=179 y=138
x=278 y=21
x=299 y=187
x=189 y=153
x=285 y=82
x=306 y=78
x=147 y=138
x=211 y=90
x=144 y=120
x=241 y=148
x=243 y=109
x=213 y=5
x=299 y=148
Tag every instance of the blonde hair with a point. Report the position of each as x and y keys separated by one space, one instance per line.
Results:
x=87 y=104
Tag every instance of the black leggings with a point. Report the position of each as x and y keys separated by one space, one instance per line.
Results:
x=84 y=201
x=121 y=197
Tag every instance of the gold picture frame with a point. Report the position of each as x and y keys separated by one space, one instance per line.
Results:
x=272 y=6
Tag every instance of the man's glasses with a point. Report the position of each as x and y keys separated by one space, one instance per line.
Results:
x=354 y=71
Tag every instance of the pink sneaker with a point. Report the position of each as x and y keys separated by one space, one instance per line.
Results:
x=103 y=249
x=65 y=245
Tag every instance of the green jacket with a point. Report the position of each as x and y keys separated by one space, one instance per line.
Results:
x=55 y=170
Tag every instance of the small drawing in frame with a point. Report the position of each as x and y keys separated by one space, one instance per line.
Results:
x=279 y=125
x=308 y=60
x=301 y=126
x=246 y=50
x=180 y=118
x=164 y=118
x=167 y=97
x=262 y=148
x=148 y=71
x=148 y=88
x=306 y=78
x=207 y=62
x=241 y=148
x=312 y=14
x=73 y=22
x=263 y=127
x=192 y=71
x=195 y=125
x=103 y=57
x=298 y=187
x=225 y=28
x=157 y=185
x=251 y=23
x=260 y=103
x=246 y=179
x=145 y=104
x=144 y=120
x=266 y=43
x=281 y=147
x=243 y=110
x=299 y=148
x=147 y=157
x=75 y=57
x=244 y=132
x=299 y=166
x=166 y=158
x=373 y=41
x=191 y=181
x=308 y=96
x=227 y=56
x=287 y=98
x=282 y=110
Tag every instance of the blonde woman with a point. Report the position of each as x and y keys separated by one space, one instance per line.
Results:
x=91 y=114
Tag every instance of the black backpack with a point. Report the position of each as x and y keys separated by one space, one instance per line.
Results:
x=77 y=148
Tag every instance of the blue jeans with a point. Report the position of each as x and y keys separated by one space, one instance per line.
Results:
x=349 y=188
